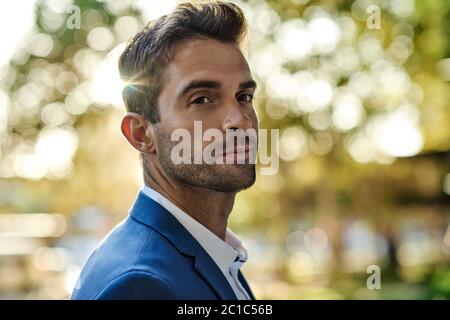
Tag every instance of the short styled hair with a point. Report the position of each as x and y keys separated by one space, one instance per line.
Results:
x=143 y=60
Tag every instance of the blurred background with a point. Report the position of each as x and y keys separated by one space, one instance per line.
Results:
x=359 y=91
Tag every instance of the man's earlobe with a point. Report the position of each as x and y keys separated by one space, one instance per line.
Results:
x=134 y=127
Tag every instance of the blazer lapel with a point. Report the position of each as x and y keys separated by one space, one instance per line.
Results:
x=152 y=214
x=245 y=285
x=212 y=274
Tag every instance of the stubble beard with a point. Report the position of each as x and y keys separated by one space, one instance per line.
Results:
x=218 y=177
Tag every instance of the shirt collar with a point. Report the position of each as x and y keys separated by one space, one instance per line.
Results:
x=224 y=253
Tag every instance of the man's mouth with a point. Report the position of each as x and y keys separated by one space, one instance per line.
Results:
x=233 y=155
x=238 y=150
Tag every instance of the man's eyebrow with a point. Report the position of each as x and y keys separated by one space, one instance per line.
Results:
x=251 y=84
x=211 y=84
x=196 y=84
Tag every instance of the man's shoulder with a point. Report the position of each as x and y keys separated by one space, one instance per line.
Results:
x=131 y=251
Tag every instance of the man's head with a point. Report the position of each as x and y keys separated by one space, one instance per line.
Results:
x=188 y=66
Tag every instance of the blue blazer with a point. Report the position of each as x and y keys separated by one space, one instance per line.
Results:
x=150 y=255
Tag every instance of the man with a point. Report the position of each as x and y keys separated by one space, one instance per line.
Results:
x=183 y=68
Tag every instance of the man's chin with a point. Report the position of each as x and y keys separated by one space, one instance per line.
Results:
x=218 y=177
x=236 y=177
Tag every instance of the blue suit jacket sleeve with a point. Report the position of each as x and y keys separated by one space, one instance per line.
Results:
x=138 y=285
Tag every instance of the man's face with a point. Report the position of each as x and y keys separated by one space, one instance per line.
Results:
x=207 y=81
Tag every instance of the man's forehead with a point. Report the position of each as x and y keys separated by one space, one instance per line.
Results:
x=206 y=56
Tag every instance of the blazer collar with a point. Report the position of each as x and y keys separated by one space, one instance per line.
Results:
x=152 y=214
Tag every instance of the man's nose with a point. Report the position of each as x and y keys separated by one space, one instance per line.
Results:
x=237 y=117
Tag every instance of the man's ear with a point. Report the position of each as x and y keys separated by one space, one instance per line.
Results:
x=139 y=132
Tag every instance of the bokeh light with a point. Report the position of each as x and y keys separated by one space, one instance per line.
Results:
x=364 y=173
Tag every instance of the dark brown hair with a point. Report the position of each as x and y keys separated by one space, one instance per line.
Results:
x=142 y=62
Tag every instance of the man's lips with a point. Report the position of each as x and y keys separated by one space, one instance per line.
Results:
x=237 y=150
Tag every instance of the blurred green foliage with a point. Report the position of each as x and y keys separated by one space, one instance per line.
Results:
x=364 y=118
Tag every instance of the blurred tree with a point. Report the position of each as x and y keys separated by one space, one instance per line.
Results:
x=363 y=113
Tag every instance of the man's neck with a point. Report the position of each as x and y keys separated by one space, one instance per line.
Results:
x=209 y=207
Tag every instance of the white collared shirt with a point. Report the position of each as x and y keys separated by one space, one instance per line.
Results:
x=229 y=255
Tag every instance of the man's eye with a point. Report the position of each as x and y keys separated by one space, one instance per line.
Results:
x=246 y=97
x=201 y=100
